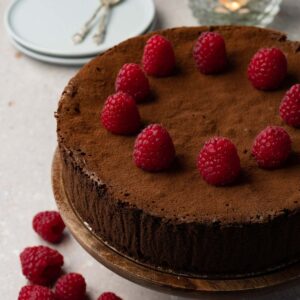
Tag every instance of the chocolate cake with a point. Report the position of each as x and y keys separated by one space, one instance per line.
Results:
x=174 y=220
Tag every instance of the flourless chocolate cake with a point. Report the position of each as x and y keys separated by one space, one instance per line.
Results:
x=174 y=219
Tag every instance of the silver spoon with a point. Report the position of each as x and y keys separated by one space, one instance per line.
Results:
x=100 y=34
x=79 y=36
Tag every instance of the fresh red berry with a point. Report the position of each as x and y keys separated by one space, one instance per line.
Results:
x=109 y=296
x=267 y=69
x=158 y=58
x=71 y=286
x=271 y=147
x=36 y=292
x=41 y=264
x=210 y=53
x=218 y=161
x=290 y=106
x=120 y=114
x=49 y=225
x=132 y=80
x=154 y=149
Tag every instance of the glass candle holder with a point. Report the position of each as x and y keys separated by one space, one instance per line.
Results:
x=243 y=12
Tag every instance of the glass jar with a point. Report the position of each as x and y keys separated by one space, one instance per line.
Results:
x=244 y=12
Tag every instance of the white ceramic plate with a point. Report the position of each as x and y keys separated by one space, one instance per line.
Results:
x=60 y=60
x=47 y=26
x=51 y=59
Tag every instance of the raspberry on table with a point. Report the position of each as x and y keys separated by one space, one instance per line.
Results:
x=71 y=286
x=132 y=80
x=290 y=106
x=120 y=114
x=109 y=296
x=218 y=161
x=271 y=147
x=158 y=57
x=49 y=225
x=41 y=264
x=36 y=292
x=153 y=149
x=267 y=69
x=210 y=53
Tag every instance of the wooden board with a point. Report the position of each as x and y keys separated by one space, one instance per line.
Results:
x=148 y=277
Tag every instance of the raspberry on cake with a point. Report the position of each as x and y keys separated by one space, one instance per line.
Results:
x=271 y=147
x=267 y=69
x=71 y=286
x=49 y=225
x=218 y=161
x=290 y=106
x=132 y=80
x=41 y=264
x=210 y=53
x=120 y=114
x=154 y=149
x=36 y=292
x=158 y=58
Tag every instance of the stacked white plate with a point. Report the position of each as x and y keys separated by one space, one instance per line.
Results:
x=43 y=29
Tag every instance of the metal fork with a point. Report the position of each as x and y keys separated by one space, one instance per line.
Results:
x=100 y=34
x=80 y=36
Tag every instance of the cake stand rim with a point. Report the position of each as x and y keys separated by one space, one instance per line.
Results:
x=149 y=277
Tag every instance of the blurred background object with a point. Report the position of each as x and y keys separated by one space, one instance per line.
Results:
x=43 y=29
x=242 y=12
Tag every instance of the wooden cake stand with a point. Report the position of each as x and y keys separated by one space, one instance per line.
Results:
x=149 y=277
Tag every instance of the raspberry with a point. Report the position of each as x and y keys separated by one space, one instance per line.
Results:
x=41 y=264
x=71 y=286
x=218 y=161
x=267 y=69
x=36 y=292
x=154 y=149
x=290 y=106
x=120 y=114
x=109 y=296
x=158 y=58
x=132 y=80
x=49 y=225
x=271 y=147
x=210 y=53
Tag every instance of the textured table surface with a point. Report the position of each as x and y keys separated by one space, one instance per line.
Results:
x=29 y=92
